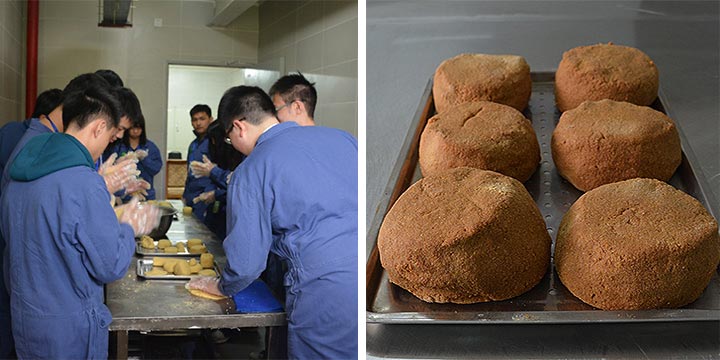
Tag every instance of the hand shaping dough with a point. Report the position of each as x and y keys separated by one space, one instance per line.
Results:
x=202 y=294
x=147 y=242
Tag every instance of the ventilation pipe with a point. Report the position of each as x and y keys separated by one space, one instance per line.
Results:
x=32 y=56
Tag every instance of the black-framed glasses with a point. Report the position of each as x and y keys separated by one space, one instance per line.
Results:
x=227 y=132
x=277 y=109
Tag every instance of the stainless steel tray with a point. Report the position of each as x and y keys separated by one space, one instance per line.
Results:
x=159 y=252
x=549 y=301
x=144 y=265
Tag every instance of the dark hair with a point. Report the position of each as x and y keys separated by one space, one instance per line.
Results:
x=296 y=87
x=200 y=108
x=139 y=122
x=46 y=102
x=111 y=77
x=129 y=103
x=221 y=153
x=83 y=107
x=84 y=81
x=250 y=102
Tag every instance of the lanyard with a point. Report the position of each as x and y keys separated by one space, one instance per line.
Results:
x=52 y=123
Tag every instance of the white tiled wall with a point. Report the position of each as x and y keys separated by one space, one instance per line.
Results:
x=71 y=43
x=12 y=60
x=318 y=38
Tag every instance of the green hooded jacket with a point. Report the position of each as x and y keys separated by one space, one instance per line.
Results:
x=48 y=153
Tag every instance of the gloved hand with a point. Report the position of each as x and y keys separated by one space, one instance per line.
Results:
x=207 y=284
x=118 y=174
x=143 y=219
x=138 y=187
x=207 y=197
x=201 y=169
x=141 y=154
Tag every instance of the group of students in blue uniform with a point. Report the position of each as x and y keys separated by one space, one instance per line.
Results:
x=62 y=241
x=257 y=177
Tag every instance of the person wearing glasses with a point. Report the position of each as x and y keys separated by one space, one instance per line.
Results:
x=294 y=98
x=295 y=195
x=201 y=117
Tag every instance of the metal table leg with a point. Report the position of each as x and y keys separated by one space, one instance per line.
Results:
x=276 y=342
x=118 y=344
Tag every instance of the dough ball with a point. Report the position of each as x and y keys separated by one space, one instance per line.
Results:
x=207 y=272
x=207 y=261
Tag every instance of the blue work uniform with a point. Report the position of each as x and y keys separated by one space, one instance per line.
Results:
x=64 y=243
x=215 y=216
x=296 y=196
x=149 y=166
x=34 y=128
x=196 y=186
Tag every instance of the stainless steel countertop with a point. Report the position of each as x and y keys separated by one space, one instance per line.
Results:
x=406 y=41
x=147 y=305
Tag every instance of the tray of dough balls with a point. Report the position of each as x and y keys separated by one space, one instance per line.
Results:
x=146 y=246
x=175 y=268
x=545 y=197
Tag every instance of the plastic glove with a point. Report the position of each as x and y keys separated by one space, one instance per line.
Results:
x=141 y=154
x=118 y=174
x=206 y=197
x=143 y=219
x=137 y=186
x=202 y=169
x=207 y=284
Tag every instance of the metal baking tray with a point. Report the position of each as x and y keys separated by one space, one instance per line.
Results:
x=144 y=265
x=159 y=252
x=549 y=301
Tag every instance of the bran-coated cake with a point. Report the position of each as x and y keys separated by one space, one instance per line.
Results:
x=606 y=141
x=482 y=135
x=503 y=79
x=637 y=244
x=465 y=236
x=605 y=71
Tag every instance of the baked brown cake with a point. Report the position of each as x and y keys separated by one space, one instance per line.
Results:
x=637 y=244
x=605 y=71
x=465 y=236
x=605 y=141
x=482 y=135
x=503 y=79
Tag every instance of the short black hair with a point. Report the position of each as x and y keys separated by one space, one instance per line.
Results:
x=139 y=122
x=84 y=81
x=111 y=77
x=250 y=102
x=200 y=108
x=83 y=107
x=221 y=153
x=296 y=87
x=46 y=102
x=129 y=103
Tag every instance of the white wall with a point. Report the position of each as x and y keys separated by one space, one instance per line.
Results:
x=12 y=60
x=192 y=85
x=71 y=43
x=318 y=38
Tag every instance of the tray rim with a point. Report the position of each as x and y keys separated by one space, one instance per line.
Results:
x=142 y=261
x=138 y=247
x=401 y=178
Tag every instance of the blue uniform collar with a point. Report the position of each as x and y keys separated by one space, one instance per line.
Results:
x=270 y=133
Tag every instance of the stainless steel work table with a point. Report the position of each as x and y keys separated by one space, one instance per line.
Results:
x=407 y=40
x=155 y=305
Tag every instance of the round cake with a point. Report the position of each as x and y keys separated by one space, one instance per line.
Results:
x=482 y=135
x=601 y=142
x=637 y=244
x=605 y=71
x=465 y=236
x=503 y=79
